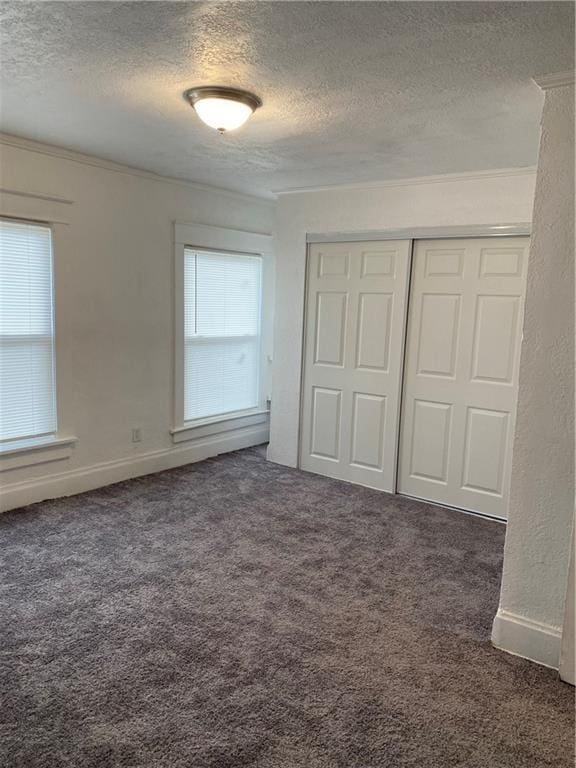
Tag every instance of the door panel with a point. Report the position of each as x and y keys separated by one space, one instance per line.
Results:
x=326 y=414
x=330 y=328
x=332 y=263
x=430 y=440
x=368 y=429
x=461 y=371
x=438 y=337
x=484 y=450
x=354 y=342
x=373 y=344
x=378 y=263
x=495 y=335
x=444 y=262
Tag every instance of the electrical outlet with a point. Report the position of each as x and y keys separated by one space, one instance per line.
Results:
x=136 y=435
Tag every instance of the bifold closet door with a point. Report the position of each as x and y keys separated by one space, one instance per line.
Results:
x=461 y=372
x=354 y=343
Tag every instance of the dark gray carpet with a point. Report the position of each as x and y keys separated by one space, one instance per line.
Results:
x=238 y=613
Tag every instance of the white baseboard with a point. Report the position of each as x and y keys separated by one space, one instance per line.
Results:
x=526 y=638
x=87 y=478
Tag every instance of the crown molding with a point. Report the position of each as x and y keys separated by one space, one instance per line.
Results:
x=19 y=142
x=554 y=80
x=36 y=196
x=415 y=180
x=51 y=150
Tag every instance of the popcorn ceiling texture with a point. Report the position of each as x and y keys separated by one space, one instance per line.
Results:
x=353 y=91
x=234 y=613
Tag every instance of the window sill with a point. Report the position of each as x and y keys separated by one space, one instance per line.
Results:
x=28 y=453
x=226 y=423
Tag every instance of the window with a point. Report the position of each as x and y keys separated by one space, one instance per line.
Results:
x=222 y=298
x=27 y=379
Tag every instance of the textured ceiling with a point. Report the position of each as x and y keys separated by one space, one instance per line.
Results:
x=352 y=91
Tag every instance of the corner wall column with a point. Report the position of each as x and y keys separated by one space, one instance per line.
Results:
x=537 y=550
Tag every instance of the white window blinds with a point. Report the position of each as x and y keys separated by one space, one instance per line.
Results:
x=27 y=387
x=222 y=295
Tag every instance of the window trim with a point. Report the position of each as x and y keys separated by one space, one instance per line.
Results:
x=255 y=338
x=218 y=424
x=28 y=208
x=53 y=448
x=217 y=239
x=5 y=445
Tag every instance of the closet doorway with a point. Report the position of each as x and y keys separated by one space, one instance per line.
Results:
x=410 y=371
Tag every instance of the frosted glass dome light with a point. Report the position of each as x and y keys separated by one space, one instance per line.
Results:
x=224 y=109
x=222 y=114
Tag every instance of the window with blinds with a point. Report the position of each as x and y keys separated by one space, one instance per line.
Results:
x=27 y=380
x=222 y=298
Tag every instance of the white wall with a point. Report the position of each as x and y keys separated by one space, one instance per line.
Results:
x=457 y=200
x=114 y=307
x=537 y=548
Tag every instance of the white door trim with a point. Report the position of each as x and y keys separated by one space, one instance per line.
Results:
x=423 y=233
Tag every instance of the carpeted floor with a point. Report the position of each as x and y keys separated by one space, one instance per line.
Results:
x=238 y=613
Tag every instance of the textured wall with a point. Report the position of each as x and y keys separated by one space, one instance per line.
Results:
x=114 y=297
x=497 y=200
x=542 y=490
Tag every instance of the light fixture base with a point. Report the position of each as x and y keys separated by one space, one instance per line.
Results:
x=193 y=95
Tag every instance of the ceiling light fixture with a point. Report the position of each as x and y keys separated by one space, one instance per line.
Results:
x=224 y=109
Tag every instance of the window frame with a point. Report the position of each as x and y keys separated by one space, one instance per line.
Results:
x=16 y=444
x=233 y=413
x=37 y=210
x=201 y=237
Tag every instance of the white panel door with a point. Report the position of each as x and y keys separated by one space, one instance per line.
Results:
x=461 y=373
x=354 y=340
